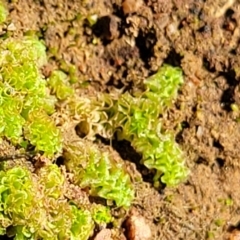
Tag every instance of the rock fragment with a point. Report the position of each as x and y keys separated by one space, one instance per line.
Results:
x=137 y=228
x=104 y=234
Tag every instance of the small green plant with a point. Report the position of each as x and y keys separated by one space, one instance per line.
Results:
x=59 y=84
x=82 y=225
x=95 y=170
x=136 y=119
x=24 y=100
x=101 y=214
x=41 y=131
x=32 y=206
x=162 y=87
x=3 y=12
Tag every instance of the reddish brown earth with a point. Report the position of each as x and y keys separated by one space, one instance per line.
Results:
x=129 y=41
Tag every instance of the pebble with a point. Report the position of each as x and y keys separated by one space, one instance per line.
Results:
x=235 y=235
x=137 y=228
x=104 y=234
x=131 y=6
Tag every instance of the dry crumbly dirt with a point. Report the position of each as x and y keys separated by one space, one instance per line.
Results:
x=128 y=43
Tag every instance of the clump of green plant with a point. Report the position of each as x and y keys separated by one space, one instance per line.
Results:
x=32 y=206
x=59 y=84
x=101 y=214
x=3 y=12
x=82 y=226
x=25 y=104
x=95 y=170
x=41 y=131
x=162 y=87
x=69 y=68
x=136 y=118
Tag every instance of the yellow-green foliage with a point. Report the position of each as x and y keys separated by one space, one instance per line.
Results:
x=41 y=131
x=3 y=12
x=82 y=225
x=101 y=214
x=162 y=87
x=59 y=84
x=95 y=170
x=33 y=206
x=24 y=100
x=136 y=119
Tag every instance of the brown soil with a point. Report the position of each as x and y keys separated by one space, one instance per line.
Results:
x=128 y=43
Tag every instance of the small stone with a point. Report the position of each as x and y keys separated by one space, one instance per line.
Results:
x=11 y=27
x=104 y=234
x=137 y=228
x=235 y=235
x=131 y=6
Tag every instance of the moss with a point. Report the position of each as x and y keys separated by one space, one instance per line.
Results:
x=97 y=171
x=136 y=119
x=25 y=102
x=32 y=206
x=59 y=85
x=101 y=214
x=3 y=12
